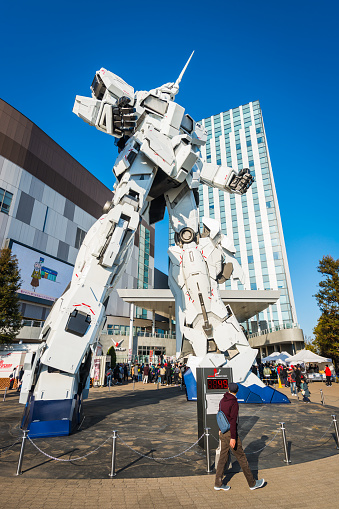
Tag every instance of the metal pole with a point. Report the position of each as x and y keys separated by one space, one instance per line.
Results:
x=133 y=384
x=283 y=433
x=157 y=385
x=114 y=449
x=21 y=457
x=5 y=393
x=109 y=385
x=208 y=458
x=322 y=397
x=335 y=424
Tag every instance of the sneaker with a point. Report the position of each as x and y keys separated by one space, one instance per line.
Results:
x=223 y=487
x=258 y=484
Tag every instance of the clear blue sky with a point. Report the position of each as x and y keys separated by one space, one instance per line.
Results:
x=283 y=53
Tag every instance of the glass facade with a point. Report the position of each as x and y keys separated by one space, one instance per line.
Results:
x=143 y=265
x=237 y=138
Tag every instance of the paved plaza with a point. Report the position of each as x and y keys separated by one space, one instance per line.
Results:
x=161 y=423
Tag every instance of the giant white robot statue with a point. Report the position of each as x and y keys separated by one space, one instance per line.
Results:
x=159 y=165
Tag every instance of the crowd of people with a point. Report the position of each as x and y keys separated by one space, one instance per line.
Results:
x=166 y=373
x=294 y=377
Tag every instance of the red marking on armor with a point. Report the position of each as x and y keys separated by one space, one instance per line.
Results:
x=130 y=150
x=76 y=275
x=202 y=252
x=160 y=157
x=82 y=304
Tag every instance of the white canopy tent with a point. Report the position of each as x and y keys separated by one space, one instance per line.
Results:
x=306 y=356
x=279 y=357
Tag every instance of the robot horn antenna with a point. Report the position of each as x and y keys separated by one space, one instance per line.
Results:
x=184 y=69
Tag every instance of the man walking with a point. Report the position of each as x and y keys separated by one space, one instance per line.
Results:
x=230 y=407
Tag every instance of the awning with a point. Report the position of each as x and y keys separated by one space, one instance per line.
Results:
x=244 y=303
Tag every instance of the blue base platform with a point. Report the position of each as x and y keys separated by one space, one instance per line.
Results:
x=191 y=385
x=51 y=418
x=256 y=394
x=251 y=394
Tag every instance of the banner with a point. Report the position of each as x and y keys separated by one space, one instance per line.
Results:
x=42 y=276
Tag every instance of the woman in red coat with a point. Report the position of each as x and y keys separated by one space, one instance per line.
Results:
x=328 y=375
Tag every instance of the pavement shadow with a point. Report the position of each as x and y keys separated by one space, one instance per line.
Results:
x=252 y=451
x=96 y=410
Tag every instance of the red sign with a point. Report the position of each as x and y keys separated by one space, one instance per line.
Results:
x=4 y=366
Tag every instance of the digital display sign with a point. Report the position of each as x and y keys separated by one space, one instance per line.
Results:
x=41 y=275
x=215 y=383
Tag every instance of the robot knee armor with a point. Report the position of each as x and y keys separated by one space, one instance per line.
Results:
x=186 y=236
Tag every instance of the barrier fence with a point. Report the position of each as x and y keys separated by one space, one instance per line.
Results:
x=206 y=435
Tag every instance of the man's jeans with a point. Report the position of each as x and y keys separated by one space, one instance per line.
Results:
x=238 y=453
x=293 y=388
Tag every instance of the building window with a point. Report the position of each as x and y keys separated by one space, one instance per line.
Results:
x=5 y=200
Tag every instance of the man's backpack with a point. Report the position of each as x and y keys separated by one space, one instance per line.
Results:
x=222 y=421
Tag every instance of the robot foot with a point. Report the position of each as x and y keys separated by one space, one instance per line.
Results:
x=51 y=418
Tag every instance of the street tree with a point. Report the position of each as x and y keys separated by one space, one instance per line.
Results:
x=111 y=352
x=10 y=317
x=327 y=329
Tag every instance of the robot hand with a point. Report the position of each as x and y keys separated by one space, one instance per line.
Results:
x=169 y=88
x=242 y=182
x=124 y=119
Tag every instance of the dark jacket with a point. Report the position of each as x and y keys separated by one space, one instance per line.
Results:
x=230 y=407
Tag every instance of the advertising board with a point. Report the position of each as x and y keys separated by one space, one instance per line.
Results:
x=42 y=276
x=9 y=362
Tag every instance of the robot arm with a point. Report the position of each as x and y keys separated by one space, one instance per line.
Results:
x=111 y=107
x=226 y=178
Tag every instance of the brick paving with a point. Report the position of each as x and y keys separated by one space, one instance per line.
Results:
x=313 y=484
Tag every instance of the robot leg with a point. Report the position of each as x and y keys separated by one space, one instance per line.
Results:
x=59 y=374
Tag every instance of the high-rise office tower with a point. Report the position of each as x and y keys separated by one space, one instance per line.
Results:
x=237 y=138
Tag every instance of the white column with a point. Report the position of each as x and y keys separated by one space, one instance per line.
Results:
x=259 y=330
x=153 y=323
x=131 y=322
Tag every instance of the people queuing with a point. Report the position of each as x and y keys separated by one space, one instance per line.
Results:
x=167 y=373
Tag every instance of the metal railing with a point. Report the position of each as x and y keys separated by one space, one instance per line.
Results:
x=275 y=328
x=116 y=332
x=206 y=435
